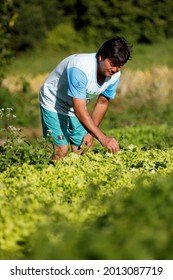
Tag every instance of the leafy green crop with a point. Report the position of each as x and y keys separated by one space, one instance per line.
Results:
x=69 y=198
x=94 y=206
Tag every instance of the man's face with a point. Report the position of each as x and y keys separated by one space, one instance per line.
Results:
x=106 y=67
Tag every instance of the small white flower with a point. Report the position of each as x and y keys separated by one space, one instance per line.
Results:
x=12 y=128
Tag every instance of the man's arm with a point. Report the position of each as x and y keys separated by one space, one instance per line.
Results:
x=99 y=112
x=100 y=109
x=91 y=123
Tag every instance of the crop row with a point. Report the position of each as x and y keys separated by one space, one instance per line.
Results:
x=65 y=204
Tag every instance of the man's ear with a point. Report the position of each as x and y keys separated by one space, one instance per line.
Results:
x=99 y=58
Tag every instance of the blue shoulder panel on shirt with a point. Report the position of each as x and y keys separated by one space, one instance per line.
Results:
x=77 y=82
x=110 y=92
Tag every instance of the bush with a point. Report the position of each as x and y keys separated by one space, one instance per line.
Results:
x=64 y=38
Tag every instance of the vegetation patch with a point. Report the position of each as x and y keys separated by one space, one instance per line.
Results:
x=94 y=206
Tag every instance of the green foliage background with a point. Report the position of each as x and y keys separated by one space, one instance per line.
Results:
x=28 y=22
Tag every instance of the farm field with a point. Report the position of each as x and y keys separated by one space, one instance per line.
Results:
x=94 y=206
x=97 y=205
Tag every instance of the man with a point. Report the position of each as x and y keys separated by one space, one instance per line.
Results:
x=71 y=85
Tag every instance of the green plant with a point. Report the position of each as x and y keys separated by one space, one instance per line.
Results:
x=95 y=206
x=16 y=150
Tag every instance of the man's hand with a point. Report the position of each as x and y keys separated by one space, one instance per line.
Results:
x=88 y=140
x=91 y=124
x=111 y=144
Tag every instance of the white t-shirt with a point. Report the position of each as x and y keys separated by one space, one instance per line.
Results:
x=75 y=76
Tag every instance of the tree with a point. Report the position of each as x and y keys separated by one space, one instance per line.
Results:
x=35 y=18
x=144 y=21
x=7 y=20
x=30 y=27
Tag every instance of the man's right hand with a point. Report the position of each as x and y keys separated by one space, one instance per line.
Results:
x=111 y=144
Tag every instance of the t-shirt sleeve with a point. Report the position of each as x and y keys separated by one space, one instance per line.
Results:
x=110 y=92
x=77 y=82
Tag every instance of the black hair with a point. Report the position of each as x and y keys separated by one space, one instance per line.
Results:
x=116 y=49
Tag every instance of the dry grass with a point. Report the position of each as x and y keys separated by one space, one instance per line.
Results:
x=151 y=86
x=136 y=89
x=157 y=80
x=14 y=83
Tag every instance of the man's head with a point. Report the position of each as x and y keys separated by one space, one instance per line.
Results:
x=116 y=50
